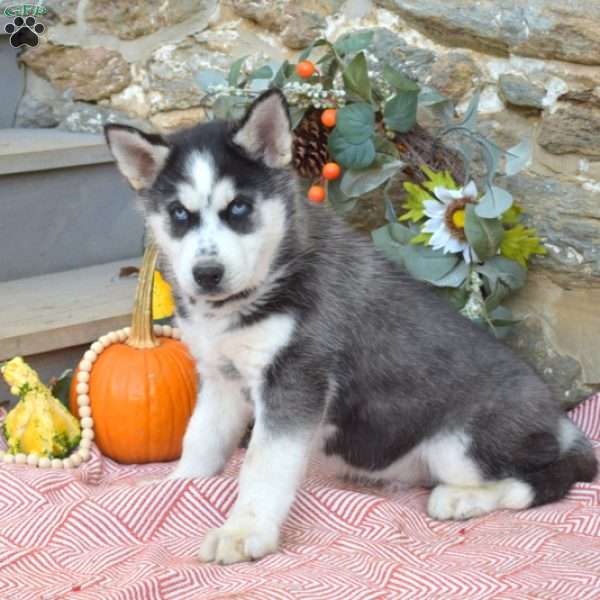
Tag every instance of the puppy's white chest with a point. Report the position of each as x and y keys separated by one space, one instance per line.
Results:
x=215 y=343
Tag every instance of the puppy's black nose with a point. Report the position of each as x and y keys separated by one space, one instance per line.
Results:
x=208 y=276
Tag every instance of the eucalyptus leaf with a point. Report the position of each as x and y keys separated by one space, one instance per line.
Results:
x=466 y=153
x=505 y=270
x=328 y=66
x=491 y=156
x=355 y=122
x=306 y=52
x=390 y=211
x=353 y=42
x=502 y=321
x=500 y=292
x=505 y=322
x=400 y=233
x=400 y=111
x=275 y=66
x=470 y=117
x=210 y=77
x=356 y=78
x=328 y=57
x=286 y=72
x=281 y=74
x=399 y=81
x=351 y=156
x=296 y=115
x=490 y=272
x=427 y=264
x=518 y=158
x=484 y=235
x=457 y=297
x=385 y=146
x=455 y=278
x=389 y=239
x=357 y=183
x=235 y=70
x=259 y=85
x=495 y=202
x=341 y=203
x=440 y=105
x=502 y=312
x=264 y=72
x=429 y=96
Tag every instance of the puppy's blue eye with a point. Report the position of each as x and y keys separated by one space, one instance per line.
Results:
x=239 y=209
x=179 y=213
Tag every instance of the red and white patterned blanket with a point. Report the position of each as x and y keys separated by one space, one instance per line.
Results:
x=91 y=534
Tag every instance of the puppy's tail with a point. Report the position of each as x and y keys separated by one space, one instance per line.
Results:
x=576 y=462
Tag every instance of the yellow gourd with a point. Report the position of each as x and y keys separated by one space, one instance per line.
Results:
x=39 y=423
x=162 y=298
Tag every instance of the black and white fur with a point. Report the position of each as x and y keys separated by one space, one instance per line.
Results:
x=297 y=320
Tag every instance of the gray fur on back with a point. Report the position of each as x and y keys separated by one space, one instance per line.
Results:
x=405 y=365
x=404 y=362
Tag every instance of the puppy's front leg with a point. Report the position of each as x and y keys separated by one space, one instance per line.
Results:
x=216 y=427
x=272 y=470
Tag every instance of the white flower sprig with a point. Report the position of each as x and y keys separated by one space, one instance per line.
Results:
x=474 y=309
x=303 y=95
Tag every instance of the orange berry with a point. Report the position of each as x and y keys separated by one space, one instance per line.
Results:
x=328 y=117
x=316 y=193
x=331 y=170
x=305 y=69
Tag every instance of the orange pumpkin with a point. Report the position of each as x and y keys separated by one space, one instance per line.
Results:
x=141 y=392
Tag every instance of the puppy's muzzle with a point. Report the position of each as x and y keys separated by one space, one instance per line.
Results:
x=208 y=276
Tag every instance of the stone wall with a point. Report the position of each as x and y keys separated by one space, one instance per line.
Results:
x=537 y=61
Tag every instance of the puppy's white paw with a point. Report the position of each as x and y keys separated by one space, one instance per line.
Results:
x=454 y=502
x=240 y=539
x=459 y=503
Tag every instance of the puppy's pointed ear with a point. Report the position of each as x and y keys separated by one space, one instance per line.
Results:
x=140 y=156
x=265 y=132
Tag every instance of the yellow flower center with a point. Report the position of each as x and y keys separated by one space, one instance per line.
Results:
x=454 y=217
x=458 y=218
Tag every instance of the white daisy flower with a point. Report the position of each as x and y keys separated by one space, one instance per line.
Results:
x=446 y=220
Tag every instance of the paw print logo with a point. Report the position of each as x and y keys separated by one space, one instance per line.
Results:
x=24 y=31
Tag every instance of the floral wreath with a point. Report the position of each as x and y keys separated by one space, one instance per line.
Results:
x=355 y=131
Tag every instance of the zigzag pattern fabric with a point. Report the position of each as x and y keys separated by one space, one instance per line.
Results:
x=92 y=534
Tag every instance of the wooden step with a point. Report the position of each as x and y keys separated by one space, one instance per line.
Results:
x=27 y=150
x=63 y=204
x=61 y=310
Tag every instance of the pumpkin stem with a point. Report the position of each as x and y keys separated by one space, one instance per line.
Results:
x=142 y=328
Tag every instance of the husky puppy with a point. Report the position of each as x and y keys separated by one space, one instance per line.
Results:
x=299 y=321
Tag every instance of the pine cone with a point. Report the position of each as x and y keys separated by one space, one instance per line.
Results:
x=310 y=151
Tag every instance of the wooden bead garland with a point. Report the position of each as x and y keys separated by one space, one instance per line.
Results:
x=83 y=452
